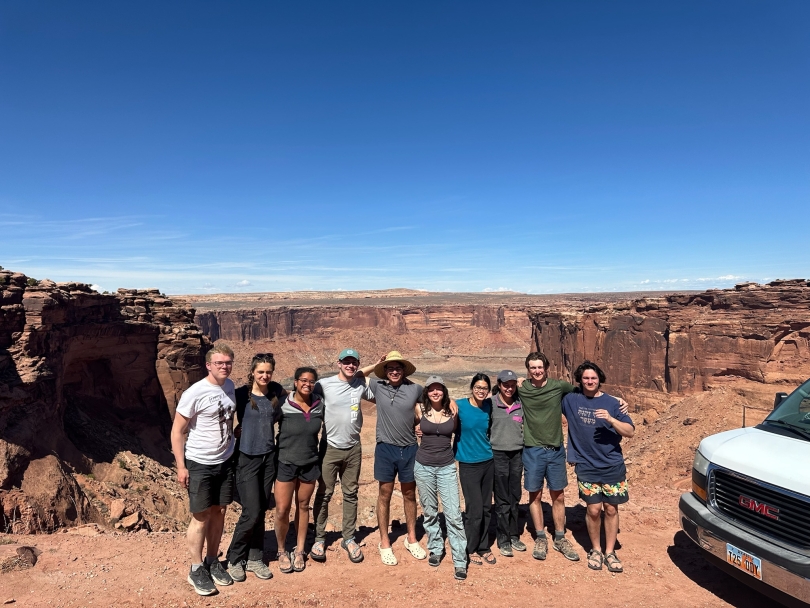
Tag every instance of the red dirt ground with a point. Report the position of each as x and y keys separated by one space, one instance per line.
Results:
x=89 y=566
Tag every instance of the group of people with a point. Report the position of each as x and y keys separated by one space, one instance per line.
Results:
x=225 y=442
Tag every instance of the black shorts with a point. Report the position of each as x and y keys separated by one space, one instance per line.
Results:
x=290 y=472
x=209 y=485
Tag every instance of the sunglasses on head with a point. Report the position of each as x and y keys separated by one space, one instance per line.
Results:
x=262 y=356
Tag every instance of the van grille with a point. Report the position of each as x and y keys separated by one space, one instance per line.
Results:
x=746 y=502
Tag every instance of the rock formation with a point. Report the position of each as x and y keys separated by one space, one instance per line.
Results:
x=83 y=376
x=682 y=344
x=285 y=322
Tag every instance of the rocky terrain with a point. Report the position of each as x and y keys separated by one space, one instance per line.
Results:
x=89 y=383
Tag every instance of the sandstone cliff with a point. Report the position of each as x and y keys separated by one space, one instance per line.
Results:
x=684 y=343
x=285 y=322
x=84 y=376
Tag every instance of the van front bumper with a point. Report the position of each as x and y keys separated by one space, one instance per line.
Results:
x=785 y=571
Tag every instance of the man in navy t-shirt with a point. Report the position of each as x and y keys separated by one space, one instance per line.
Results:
x=596 y=426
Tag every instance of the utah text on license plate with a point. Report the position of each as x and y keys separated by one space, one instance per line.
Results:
x=744 y=561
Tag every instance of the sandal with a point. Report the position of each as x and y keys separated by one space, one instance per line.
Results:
x=284 y=563
x=614 y=564
x=475 y=559
x=318 y=551
x=489 y=558
x=415 y=549
x=387 y=556
x=595 y=559
x=303 y=562
x=353 y=550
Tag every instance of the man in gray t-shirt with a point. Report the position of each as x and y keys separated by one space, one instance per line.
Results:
x=396 y=397
x=341 y=455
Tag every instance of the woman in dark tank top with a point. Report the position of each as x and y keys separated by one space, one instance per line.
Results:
x=435 y=473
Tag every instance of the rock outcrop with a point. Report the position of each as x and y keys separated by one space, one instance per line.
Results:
x=682 y=344
x=285 y=322
x=83 y=376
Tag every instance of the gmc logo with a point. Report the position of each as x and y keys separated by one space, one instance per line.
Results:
x=759 y=507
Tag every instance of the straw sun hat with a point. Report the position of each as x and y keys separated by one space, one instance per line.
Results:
x=394 y=356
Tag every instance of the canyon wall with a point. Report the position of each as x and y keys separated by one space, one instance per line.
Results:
x=686 y=343
x=455 y=340
x=84 y=377
x=284 y=322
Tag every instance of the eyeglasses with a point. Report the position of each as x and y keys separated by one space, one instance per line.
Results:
x=222 y=363
x=480 y=388
x=346 y=363
x=302 y=381
x=394 y=368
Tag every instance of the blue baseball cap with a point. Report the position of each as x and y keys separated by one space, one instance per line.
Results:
x=348 y=352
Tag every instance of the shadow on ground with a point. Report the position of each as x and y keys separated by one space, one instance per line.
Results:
x=688 y=559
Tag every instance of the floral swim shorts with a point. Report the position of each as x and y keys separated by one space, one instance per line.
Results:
x=612 y=493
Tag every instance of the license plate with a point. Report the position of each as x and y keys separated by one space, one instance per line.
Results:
x=750 y=564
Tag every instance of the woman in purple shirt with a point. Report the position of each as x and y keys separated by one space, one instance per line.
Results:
x=596 y=426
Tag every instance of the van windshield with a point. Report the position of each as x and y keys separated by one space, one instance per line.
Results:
x=793 y=412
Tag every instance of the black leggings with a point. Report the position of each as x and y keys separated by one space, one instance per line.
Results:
x=508 y=473
x=254 y=482
x=476 y=486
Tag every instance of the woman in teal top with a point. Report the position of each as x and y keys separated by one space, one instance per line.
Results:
x=476 y=467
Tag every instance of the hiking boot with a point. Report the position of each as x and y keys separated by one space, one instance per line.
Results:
x=540 y=548
x=434 y=560
x=517 y=544
x=460 y=574
x=237 y=571
x=201 y=581
x=219 y=574
x=258 y=567
x=505 y=549
x=564 y=546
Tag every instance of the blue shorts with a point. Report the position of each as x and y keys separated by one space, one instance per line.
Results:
x=391 y=461
x=541 y=463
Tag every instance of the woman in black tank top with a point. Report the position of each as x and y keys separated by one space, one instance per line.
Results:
x=435 y=473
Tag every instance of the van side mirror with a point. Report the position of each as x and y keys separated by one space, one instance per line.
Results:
x=780 y=397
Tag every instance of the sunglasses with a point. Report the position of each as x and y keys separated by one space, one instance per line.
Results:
x=262 y=356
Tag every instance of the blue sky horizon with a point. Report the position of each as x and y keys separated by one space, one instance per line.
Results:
x=203 y=147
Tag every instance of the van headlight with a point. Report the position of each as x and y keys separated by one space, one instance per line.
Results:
x=700 y=468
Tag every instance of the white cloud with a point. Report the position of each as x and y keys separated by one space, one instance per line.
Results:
x=98 y=288
x=496 y=289
x=244 y=283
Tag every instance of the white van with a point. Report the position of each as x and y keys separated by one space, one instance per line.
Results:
x=749 y=508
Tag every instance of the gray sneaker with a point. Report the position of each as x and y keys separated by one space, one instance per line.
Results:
x=517 y=544
x=540 y=548
x=219 y=574
x=460 y=574
x=505 y=549
x=565 y=547
x=201 y=581
x=237 y=571
x=258 y=567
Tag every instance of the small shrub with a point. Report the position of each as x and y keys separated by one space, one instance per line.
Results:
x=122 y=463
x=32 y=282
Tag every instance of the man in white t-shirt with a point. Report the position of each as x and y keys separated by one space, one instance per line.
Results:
x=342 y=454
x=204 y=464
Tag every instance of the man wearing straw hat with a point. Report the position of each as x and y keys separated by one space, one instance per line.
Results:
x=394 y=456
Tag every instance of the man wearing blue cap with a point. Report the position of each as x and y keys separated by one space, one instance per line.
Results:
x=342 y=453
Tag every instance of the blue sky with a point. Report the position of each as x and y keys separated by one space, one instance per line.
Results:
x=453 y=146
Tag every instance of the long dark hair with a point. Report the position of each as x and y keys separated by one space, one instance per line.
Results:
x=445 y=400
x=257 y=360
